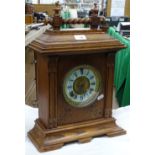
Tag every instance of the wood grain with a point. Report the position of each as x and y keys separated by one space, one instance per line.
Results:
x=52 y=42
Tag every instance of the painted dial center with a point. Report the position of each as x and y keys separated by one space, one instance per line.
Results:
x=81 y=85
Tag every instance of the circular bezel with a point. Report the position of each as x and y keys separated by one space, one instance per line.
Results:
x=95 y=93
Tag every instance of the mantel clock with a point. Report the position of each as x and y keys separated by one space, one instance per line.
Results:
x=74 y=79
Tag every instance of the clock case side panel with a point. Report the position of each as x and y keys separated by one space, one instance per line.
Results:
x=110 y=60
x=53 y=90
x=42 y=76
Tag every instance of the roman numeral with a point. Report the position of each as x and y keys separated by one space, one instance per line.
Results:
x=75 y=74
x=75 y=96
x=71 y=94
x=86 y=94
x=81 y=71
x=69 y=87
x=81 y=98
x=91 y=90
x=93 y=83
x=91 y=77
x=71 y=80
x=87 y=73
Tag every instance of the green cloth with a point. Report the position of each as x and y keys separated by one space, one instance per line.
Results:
x=65 y=15
x=122 y=70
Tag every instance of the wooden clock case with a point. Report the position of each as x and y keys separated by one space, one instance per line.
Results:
x=56 y=53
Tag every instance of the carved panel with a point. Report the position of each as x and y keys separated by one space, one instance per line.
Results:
x=67 y=113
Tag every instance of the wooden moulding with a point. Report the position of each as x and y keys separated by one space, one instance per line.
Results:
x=63 y=43
x=51 y=139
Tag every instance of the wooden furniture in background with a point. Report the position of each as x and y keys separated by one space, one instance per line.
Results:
x=30 y=77
x=44 y=8
x=28 y=13
x=28 y=19
x=30 y=82
x=126 y=10
x=108 y=7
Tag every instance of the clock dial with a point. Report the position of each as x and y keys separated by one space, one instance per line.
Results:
x=81 y=86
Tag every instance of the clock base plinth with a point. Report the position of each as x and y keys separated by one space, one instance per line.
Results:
x=52 y=139
x=85 y=140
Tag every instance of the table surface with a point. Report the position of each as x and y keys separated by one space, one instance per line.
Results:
x=103 y=145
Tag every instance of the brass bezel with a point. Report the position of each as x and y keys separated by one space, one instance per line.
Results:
x=97 y=88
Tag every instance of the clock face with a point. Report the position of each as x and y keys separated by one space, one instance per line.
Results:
x=82 y=86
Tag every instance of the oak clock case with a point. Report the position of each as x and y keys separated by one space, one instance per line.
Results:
x=74 y=88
